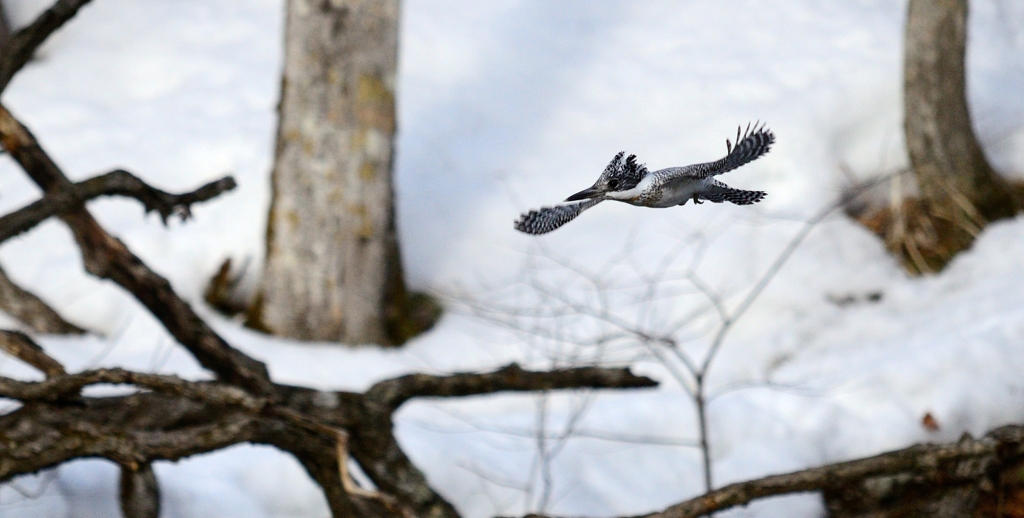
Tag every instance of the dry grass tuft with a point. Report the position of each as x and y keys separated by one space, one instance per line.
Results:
x=923 y=235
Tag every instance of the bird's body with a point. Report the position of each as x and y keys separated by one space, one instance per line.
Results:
x=670 y=187
x=627 y=181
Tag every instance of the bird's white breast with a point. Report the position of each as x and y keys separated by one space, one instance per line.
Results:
x=633 y=194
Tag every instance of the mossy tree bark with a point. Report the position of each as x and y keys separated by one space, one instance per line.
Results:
x=333 y=269
x=960 y=191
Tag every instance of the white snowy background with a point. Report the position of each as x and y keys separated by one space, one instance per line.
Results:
x=506 y=106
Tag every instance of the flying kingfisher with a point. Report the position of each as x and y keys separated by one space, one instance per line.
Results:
x=627 y=181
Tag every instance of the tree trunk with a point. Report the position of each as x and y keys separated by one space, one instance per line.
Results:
x=959 y=189
x=333 y=270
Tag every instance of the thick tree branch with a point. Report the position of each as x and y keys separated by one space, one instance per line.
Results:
x=22 y=347
x=107 y=257
x=371 y=441
x=512 y=378
x=23 y=43
x=964 y=462
x=185 y=417
x=320 y=454
x=138 y=429
x=59 y=387
x=129 y=430
x=374 y=445
x=117 y=182
x=368 y=418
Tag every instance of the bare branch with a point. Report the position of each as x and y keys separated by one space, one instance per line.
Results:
x=938 y=465
x=943 y=464
x=123 y=183
x=117 y=182
x=140 y=428
x=373 y=445
x=107 y=257
x=22 y=347
x=387 y=501
x=127 y=430
x=375 y=448
x=512 y=378
x=57 y=387
x=23 y=44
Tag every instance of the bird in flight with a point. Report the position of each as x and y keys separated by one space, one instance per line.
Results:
x=627 y=181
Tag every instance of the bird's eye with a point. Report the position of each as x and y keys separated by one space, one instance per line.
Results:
x=613 y=184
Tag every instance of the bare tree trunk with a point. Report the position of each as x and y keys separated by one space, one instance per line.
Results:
x=960 y=190
x=333 y=270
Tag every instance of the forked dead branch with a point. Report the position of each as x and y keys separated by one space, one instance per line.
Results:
x=170 y=418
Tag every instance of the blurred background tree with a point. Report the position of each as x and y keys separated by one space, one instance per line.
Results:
x=333 y=267
x=959 y=192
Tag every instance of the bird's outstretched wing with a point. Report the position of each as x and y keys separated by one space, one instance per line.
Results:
x=753 y=144
x=546 y=219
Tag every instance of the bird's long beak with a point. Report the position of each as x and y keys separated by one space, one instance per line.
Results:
x=584 y=194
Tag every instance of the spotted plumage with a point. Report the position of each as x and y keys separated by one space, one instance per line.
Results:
x=549 y=218
x=627 y=181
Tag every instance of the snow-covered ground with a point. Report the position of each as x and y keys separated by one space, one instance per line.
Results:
x=505 y=106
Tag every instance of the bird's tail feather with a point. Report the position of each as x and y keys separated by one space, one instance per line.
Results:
x=751 y=144
x=546 y=219
x=737 y=196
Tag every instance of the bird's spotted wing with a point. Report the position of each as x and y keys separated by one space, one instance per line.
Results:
x=753 y=144
x=546 y=219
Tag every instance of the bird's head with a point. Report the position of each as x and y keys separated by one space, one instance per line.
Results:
x=621 y=174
